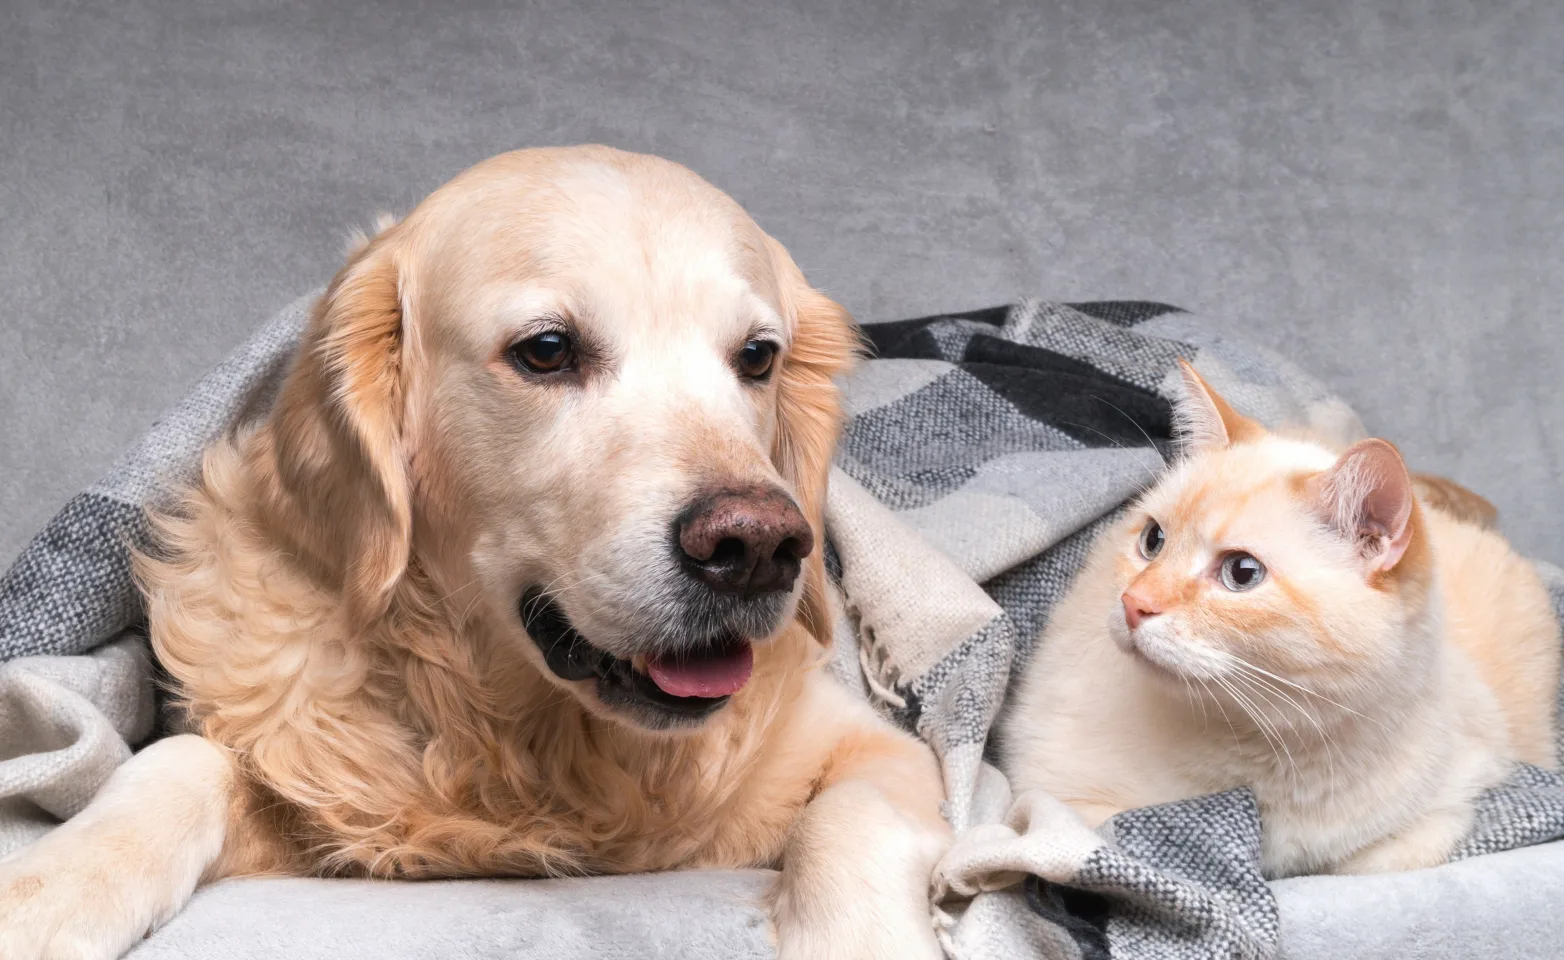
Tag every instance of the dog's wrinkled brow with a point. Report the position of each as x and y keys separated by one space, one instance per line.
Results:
x=763 y=320
x=523 y=309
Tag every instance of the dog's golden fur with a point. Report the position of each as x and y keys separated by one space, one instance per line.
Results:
x=316 y=599
x=389 y=735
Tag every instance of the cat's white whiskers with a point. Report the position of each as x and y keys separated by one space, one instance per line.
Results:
x=1258 y=674
x=1255 y=675
x=1133 y=422
x=1257 y=678
x=1298 y=686
x=1261 y=716
x=1150 y=473
x=1269 y=690
x=1262 y=724
x=1223 y=710
x=1265 y=717
x=1227 y=688
x=1332 y=748
x=1189 y=691
x=1266 y=692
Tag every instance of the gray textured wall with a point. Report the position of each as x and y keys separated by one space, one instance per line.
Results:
x=1376 y=188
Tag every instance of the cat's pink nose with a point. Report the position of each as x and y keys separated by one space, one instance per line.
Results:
x=1137 y=608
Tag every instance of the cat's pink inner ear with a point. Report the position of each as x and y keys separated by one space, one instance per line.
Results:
x=1205 y=420
x=1371 y=494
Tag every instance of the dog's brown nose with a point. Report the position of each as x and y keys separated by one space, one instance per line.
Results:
x=748 y=540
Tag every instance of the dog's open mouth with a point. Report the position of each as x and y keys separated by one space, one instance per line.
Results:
x=661 y=690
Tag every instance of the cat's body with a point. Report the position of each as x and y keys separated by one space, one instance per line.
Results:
x=1395 y=661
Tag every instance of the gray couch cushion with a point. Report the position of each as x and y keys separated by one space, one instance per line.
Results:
x=693 y=915
x=1503 y=904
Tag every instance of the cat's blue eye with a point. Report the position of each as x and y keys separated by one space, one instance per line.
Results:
x=1151 y=539
x=1241 y=571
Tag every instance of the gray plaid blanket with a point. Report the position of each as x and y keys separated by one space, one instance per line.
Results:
x=983 y=453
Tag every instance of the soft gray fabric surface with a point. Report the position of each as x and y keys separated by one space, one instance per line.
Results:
x=1465 y=910
x=1470 y=910
x=65 y=725
x=1375 y=187
x=643 y=916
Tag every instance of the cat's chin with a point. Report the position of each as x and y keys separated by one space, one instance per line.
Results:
x=1154 y=663
x=1169 y=657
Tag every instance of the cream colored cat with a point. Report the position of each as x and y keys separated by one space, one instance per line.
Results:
x=1274 y=615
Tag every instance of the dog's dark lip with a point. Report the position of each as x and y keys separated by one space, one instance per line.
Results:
x=571 y=657
x=566 y=652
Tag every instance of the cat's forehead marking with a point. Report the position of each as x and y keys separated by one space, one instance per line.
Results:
x=1220 y=480
x=1237 y=493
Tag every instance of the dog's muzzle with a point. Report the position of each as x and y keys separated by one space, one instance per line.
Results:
x=678 y=688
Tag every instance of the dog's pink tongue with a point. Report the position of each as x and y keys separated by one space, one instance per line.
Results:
x=713 y=675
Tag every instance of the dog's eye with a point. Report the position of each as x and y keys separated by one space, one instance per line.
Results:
x=755 y=358
x=549 y=352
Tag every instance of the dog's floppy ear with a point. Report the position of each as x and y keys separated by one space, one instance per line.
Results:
x=826 y=343
x=341 y=491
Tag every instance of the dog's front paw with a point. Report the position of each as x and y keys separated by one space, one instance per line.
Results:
x=54 y=906
x=855 y=882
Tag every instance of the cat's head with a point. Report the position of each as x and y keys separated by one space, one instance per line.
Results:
x=1264 y=554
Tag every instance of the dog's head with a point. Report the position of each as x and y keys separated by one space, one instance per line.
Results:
x=587 y=396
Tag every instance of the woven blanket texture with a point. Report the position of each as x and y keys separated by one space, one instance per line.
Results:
x=982 y=454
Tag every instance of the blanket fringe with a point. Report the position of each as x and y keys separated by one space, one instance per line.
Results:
x=878 y=674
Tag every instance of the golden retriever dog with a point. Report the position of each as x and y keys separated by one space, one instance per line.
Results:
x=520 y=576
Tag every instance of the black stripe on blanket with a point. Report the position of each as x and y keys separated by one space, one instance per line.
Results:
x=1080 y=913
x=1085 y=402
x=1094 y=407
